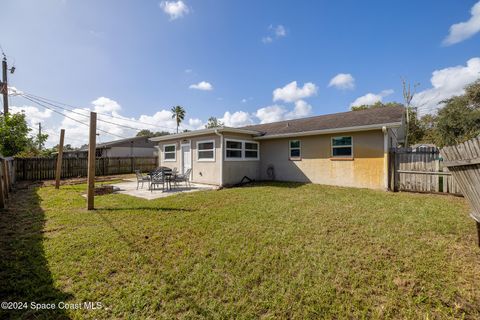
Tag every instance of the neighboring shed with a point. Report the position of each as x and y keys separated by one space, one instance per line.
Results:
x=130 y=147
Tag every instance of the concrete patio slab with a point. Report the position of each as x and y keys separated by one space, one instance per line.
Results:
x=129 y=187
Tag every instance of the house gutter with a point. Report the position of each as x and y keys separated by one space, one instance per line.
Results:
x=221 y=155
x=328 y=131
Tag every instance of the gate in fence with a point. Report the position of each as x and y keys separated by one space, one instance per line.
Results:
x=463 y=160
x=44 y=168
x=420 y=170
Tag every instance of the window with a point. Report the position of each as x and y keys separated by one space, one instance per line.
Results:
x=233 y=149
x=251 y=150
x=169 y=152
x=241 y=150
x=295 y=149
x=206 y=150
x=342 y=147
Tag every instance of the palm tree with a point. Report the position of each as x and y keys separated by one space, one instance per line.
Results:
x=178 y=113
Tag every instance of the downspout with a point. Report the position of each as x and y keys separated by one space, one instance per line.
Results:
x=221 y=156
x=385 y=157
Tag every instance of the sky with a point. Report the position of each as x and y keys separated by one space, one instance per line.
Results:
x=244 y=62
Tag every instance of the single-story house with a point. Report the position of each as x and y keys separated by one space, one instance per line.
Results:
x=343 y=149
x=130 y=147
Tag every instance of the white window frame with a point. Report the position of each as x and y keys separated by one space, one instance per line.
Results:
x=344 y=146
x=242 y=150
x=290 y=150
x=198 y=151
x=174 y=152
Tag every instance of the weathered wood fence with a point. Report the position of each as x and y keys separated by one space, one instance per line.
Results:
x=7 y=178
x=463 y=160
x=44 y=168
x=420 y=170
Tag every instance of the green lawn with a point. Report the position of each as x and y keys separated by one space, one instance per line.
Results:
x=271 y=251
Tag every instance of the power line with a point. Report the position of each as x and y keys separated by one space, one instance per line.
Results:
x=100 y=113
x=81 y=114
x=62 y=114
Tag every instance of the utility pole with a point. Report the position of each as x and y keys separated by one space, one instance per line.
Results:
x=5 y=85
x=39 y=136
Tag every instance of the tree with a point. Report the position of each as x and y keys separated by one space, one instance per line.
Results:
x=213 y=122
x=458 y=121
x=377 y=104
x=149 y=134
x=178 y=113
x=14 y=134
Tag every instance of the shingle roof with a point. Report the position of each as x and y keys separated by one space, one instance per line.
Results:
x=374 y=116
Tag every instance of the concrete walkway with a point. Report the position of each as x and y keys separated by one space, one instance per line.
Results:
x=130 y=187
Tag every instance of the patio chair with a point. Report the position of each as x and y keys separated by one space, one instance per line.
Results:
x=141 y=178
x=185 y=177
x=158 y=178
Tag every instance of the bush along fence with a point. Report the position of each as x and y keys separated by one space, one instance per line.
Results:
x=44 y=168
x=463 y=161
x=420 y=170
x=7 y=178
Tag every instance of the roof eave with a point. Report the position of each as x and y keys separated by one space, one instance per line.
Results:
x=329 y=131
x=203 y=132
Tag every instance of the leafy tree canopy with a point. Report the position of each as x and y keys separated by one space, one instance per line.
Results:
x=149 y=133
x=213 y=122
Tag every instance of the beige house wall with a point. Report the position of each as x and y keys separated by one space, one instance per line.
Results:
x=365 y=170
x=235 y=170
x=203 y=171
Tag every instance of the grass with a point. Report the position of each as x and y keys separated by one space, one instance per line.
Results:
x=280 y=250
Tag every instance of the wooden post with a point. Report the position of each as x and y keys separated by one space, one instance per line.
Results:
x=478 y=232
x=2 y=197
x=5 y=178
x=8 y=183
x=58 y=171
x=91 y=161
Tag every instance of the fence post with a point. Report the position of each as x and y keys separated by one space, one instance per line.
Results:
x=2 y=196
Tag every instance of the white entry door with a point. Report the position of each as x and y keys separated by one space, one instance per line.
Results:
x=186 y=158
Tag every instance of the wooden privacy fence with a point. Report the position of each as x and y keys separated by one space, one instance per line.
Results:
x=463 y=160
x=7 y=178
x=420 y=170
x=44 y=168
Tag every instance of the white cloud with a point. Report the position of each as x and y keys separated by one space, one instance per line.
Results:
x=267 y=39
x=175 y=9
x=371 y=98
x=236 y=119
x=342 y=81
x=301 y=110
x=271 y=113
x=203 y=85
x=274 y=33
x=33 y=114
x=280 y=31
x=464 y=30
x=76 y=133
x=196 y=123
x=12 y=91
x=291 y=92
x=446 y=83
x=276 y=112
